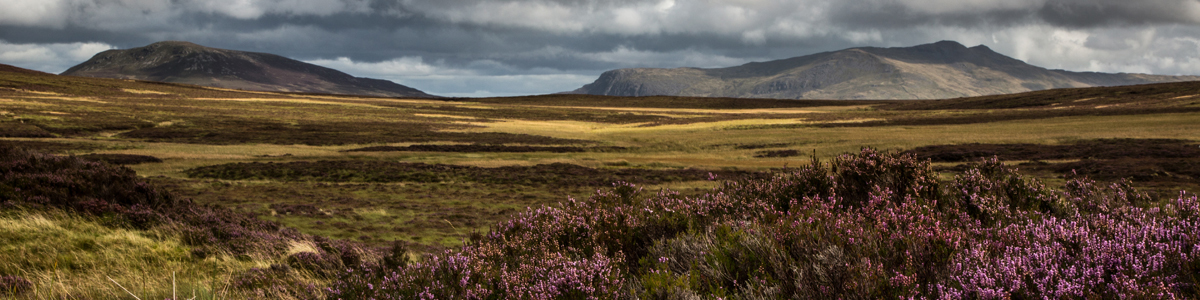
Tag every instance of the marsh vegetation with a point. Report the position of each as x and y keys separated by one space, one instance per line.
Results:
x=258 y=194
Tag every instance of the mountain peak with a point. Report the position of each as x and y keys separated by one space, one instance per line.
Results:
x=190 y=63
x=944 y=69
x=949 y=45
x=14 y=69
x=175 y=44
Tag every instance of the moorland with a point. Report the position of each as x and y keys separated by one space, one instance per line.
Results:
x=119 y=187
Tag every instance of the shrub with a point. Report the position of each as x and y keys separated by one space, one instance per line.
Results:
x=118 y=198
x=121 y=159
x=866 y=225
x=14 y=285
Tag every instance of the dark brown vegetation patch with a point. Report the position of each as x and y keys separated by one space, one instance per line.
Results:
x=760 y=146
x=554 y=175
x=121 y=159
x=1164 y=177
x=777 y=153
x=1011 y=115
x=49 y=146
x=485 y=148
x=1139 y=169
x=1162 y=94
x=296 y=209
x=1094 y=149
x=18 y=129
x=1161 y=167
x=1103 y=101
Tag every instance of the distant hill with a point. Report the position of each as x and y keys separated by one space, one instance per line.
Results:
x=183 y=62
x=933 y=71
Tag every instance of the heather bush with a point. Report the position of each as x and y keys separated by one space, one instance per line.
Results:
x=114 y=197
x=68 y=182
x=116 y=194
x=863 y=226
x=14 y=285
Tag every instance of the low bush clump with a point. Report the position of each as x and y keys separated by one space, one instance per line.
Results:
x=1089 y=149
x=121 y=159
x=867 y=225
x=777 y=153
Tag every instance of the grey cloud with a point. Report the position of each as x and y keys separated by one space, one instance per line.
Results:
x=1068 y=13
x=1080 y=14
x=482 y=41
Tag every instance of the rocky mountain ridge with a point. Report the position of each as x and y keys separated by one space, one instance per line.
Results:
x=933 y=71
x=184 y=62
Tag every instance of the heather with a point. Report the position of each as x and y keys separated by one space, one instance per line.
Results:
x=864 y=225
x=74 y=228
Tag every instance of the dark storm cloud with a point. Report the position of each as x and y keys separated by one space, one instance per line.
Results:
x=1080 y=14
x=457 y=46
x=1068 y=13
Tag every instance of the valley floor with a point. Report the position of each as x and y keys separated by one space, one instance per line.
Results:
x=433 y=174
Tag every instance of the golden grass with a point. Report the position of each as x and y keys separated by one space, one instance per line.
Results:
x=443 y=116
x=77 y=99
x=72 y=257
x=34 y=92
x=807 y=110
x=20 y=102
x=292 y=100
x=302 y=246
x=145 y=92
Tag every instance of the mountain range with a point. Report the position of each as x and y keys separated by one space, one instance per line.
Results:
x=933 y=71
x=184 y=62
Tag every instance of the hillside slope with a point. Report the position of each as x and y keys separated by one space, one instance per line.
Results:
x=933 y=71
x=183 y=62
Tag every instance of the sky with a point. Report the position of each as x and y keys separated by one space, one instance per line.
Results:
x=468 y=48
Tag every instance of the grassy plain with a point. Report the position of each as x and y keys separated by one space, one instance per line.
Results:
x=190 y=127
